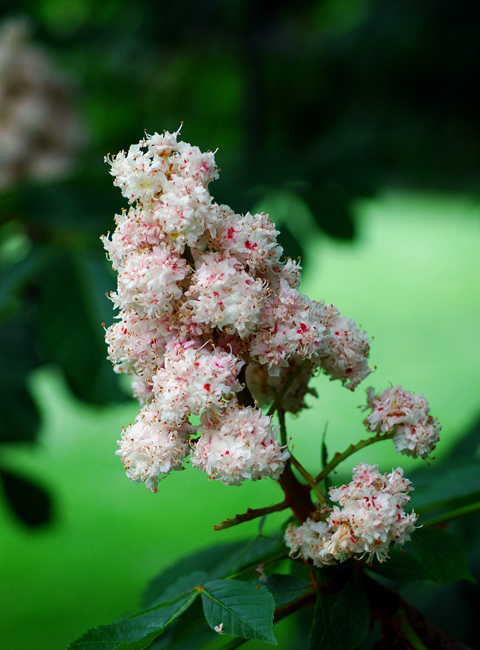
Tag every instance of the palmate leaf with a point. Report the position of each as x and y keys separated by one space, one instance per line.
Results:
x=442 y=554
x=138 y=631
x=243 y=609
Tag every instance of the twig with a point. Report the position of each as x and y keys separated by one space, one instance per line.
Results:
x=252 y=513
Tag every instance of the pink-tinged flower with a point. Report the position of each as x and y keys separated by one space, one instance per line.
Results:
x=252 y=240
x=222 y=295
x=407 y=415
x=194 y=379
x=346 y=350
x=149 y=447
x=150 y=282
x=136 y=343
x=240 y=444
x=370 y=520
x=291 y=324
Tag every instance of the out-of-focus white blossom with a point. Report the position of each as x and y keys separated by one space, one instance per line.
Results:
x=416 y=432
x=40 y=132
x=371 y=518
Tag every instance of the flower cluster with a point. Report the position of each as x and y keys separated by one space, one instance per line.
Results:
x=407 y=416
x=370 y=520
x=210 y=315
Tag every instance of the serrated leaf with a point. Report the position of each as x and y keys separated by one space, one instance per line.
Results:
x=341 y=620
x=189 y=632
x=400 y=567
x=441 y=553
x=243 y=609
x=30 y=502
x=286 y=589
x=135 y=632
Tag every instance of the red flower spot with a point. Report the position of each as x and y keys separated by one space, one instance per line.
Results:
x=206 y=386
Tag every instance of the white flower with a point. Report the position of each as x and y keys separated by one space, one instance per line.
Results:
x=370 y=520
x=149 y=447
x=291 y=324
x=194 y=379
x=150 y=282
x=137 y=342
x=238 y=445
x=223 y=295
x=407 y=415
x=346 y=350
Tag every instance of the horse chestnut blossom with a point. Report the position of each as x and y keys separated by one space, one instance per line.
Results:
x=370 y=520
x=407 y=417
x=203 y=293
x=212 y=328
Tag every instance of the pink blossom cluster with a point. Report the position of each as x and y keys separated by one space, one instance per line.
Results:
x=371 y=518
x=209 y=315
x=407 y=415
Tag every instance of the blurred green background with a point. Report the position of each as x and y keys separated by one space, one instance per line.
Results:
x=354 y=124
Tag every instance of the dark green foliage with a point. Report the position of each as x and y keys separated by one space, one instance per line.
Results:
x=441 y=553
x=30 y=502
x=242 y=609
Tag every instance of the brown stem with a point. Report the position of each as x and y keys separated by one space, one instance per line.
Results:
x=252 y=513
x=297 y=495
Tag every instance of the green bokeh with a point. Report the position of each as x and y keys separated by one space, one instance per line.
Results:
x=411 y=280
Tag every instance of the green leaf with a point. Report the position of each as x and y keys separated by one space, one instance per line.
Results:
x=182 y=586
x=286 y=589
x=19 y=415
x=243 y=609
x=322 y=636
x=255 y=551
x=438 y=486
x=350 y=614
x=190 y=631
x=441 y=553
x=214 y=560
x=400 y=567
x=341 y=620
x=135 y=632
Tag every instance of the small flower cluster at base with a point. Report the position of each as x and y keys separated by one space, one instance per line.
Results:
x=203 y=293
x=370 y=520
x=407 y=416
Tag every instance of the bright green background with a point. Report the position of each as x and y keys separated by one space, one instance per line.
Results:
x=411 y=279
